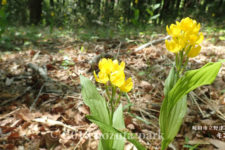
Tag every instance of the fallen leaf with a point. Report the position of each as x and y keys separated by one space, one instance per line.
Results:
x=14 y=136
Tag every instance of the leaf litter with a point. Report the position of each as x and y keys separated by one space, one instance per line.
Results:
x=59 y=113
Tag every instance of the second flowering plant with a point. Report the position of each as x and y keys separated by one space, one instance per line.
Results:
x=108 y=114
x=185 y=43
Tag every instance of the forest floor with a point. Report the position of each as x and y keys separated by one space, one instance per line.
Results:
x=44 y=109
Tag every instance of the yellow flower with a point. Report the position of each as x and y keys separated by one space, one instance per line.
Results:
x=173 y=30
x=189 y=25
x=117 y=78
x=185 y=34
x=195 y=38
x=175 y=45
x=102 y=77
x=117 y=67
x=127 y=85
x=114 y=72
x=136 y=1
x=4 y=2
x=105 y=65
x=200 y=39
x=195 y=50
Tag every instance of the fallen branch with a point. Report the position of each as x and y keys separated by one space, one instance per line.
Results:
x=9 y=114
x=34 y=103
x=51 y=122
x=42 y=72
x=151 y=43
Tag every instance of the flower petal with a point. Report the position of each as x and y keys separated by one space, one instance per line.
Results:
x=195 y=50
x=127 y=86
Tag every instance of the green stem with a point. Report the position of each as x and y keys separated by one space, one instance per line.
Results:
x=107 y=90
x=177 y=60
x=118 y=99
x=128 y=98
x=111 y=102
x=165 y=144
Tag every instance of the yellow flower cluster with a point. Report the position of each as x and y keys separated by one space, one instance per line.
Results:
x=185 y=37
x=4 y=2
x=114 y=72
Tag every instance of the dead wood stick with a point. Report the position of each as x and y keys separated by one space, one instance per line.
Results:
x=51 y=122
x=42 y=72
x=9 y=114
x=196 y=103
x=34 y=103
x=151 y=43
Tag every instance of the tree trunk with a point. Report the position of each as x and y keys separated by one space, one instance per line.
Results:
x=52 y=3
x=35 y=8
x=177 y=7
x=165 y=10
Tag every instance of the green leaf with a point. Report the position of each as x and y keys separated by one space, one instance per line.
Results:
x=116 y=143
x=118 y=120
x=94 y=101
x=156 y=6
x=130 y=137
x=170 y=81
x=172 y=121
x=118 y=123
x=155 y=17
x=174 y=105
x=193 y=79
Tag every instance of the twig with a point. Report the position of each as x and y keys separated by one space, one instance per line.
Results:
x=151 y=43
x=196 y=103
x=39 y=93
x=219 y=114
x=36 y=56
x=51 y=122
x=172 y=146
x=42 y=72
x=9 y=114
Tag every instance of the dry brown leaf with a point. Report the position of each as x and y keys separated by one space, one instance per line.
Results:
x=14 y=136
x=84 y=109
x=146 y=86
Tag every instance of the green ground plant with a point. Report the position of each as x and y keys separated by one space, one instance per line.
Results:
x=185 y=44
x=108 y=115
